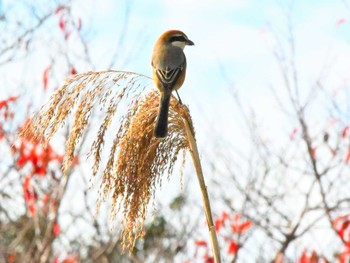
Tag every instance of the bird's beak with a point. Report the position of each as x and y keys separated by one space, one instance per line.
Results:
x=190 y=43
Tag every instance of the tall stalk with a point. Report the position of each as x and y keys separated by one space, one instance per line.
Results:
x=203 y=187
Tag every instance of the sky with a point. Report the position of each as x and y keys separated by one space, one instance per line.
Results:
x=233 y=45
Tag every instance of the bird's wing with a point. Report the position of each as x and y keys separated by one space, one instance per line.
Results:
x=168 y=77
x=169 y=68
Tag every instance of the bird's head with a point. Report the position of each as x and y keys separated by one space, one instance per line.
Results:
x=176 y=38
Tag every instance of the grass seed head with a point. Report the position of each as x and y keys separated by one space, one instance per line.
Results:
x=137 y=161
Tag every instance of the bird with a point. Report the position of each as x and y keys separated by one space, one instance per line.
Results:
x=168 y=71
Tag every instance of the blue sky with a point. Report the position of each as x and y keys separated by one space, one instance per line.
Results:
x=226 y=33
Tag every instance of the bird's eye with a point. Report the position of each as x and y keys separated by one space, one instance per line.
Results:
x=178 y=38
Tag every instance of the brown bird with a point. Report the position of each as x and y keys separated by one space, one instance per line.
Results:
x=169 y=71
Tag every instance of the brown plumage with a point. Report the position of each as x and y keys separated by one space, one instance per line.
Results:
x=169 y=71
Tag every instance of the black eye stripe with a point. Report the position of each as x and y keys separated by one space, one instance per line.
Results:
x=178 y=38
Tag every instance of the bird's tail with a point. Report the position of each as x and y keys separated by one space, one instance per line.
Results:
x=161 y=128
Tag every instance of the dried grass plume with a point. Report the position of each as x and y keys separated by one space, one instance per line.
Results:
x=137 y=161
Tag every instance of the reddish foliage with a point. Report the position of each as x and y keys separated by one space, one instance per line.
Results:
x=305 y=258
x=344 y=257
x=344 y=228
x=238 y=227
x=2 y=134
x=32 y=208
x=6 y=113
x=232 y=247
x=293 y=133
x=345 y=131
x=73 y=71
x=74 y=162
x=347 y=158
x=313 y=152
x=314 y=257
x=46 y=77
x=45 y=199
x=279 y=258
x=70 y=259
x=62 y=23
x=59 y=9
x=341 y=21
x=30 y=196
x=225 y=215
x=11 y=258
x=220 y=221
x=56 y=229
x=26 y=182
x=236 y=217
x=218 y=224
x=208 y=259
x=39 y=155
x=241 y=228
x=201 y=243
x=342 y=225
x=236 y=223
x=4 y=103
